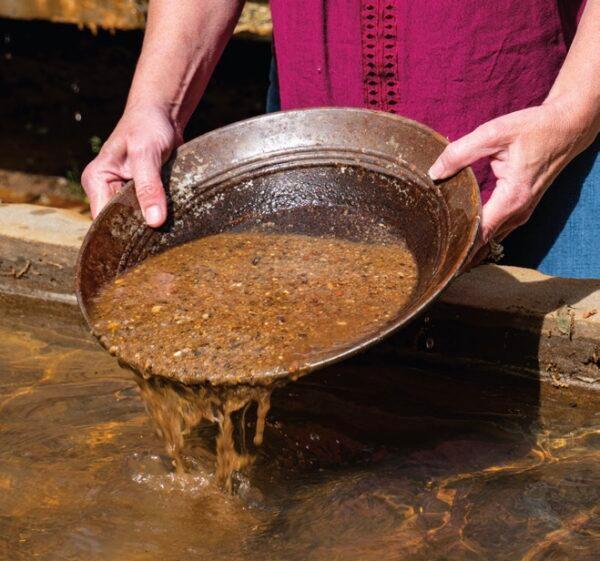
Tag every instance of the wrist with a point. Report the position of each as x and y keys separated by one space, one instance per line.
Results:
x=167 y=110
x=580 y=114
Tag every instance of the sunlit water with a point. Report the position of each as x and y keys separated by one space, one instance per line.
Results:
x=366 y=460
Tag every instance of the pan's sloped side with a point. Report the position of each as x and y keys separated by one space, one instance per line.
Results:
x=349 y=173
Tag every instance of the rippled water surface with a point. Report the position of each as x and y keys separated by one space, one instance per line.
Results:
x=366 y=460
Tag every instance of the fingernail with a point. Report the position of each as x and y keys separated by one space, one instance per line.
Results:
x=435 y=171
x=153 y=215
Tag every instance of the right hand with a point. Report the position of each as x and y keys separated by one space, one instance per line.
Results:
x=141 y=142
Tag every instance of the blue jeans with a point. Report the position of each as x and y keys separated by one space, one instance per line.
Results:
x=562 y=238
x=273 y=103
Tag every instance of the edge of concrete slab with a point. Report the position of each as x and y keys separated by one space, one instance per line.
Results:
x=498 y=317
x=38 y=250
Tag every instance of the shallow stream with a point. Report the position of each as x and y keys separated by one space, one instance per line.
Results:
x=369 y=459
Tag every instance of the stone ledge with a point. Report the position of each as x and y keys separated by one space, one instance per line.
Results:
x=498 y=317
x=568 y=306
x=38 y=250
x=52 y=226
x=492 y=317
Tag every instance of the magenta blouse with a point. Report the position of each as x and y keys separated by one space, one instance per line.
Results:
x=451 y=64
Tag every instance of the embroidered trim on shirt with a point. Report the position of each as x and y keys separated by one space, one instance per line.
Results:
x=380 y=54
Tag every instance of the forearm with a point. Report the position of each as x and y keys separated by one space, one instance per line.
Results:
x=182 y=45
x=577 y=85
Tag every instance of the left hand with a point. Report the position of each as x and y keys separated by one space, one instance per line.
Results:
x=527 y=150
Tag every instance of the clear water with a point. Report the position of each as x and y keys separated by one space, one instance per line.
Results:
x=366 y=460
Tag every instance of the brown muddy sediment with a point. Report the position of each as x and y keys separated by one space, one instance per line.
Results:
x=214 y=323
x=177 y=409
x=249 y=307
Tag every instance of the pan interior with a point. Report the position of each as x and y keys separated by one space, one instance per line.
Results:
x=346 y=202
x=343 y=201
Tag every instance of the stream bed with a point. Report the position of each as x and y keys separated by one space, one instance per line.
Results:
x=370 y=459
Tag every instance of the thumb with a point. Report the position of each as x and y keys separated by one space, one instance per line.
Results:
x=485 y=140
x=145 y=169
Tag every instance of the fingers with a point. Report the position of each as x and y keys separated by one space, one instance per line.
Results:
x=473 y=257
x=104 y=176
x=477 y=258
x=145 y=168
x=509 y=206
x=99 y=186
x=483 y=141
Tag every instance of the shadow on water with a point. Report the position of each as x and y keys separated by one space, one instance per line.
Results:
x=381 y=461
x=452 y=463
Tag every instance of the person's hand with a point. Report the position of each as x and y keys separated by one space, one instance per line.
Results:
x=527 y=150
x=141 y=142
